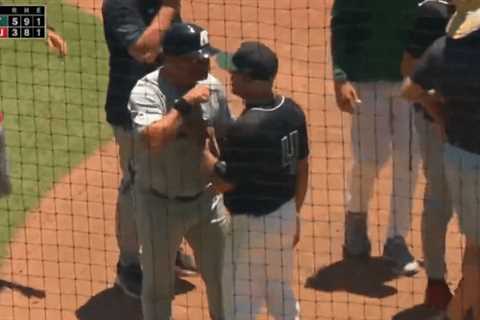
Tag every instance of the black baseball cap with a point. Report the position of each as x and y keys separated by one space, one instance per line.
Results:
x=253 y=58
x=187 y=39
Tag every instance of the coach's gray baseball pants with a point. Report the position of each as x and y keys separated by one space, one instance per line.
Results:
x=126 y=230
x=437 y=206
x=162 y=224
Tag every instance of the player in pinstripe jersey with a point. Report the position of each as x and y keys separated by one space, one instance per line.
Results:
x=172 y=110
x=133 y=30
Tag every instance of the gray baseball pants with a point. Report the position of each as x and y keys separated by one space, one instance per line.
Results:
x=126 y=230
x=162 y=224
x=437 y=205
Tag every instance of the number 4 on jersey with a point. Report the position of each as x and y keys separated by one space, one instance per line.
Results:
x=290 y=151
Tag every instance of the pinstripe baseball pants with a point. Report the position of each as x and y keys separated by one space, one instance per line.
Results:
x=259 y=265
x=382 y=129
x=126 y=230
x=162 y=224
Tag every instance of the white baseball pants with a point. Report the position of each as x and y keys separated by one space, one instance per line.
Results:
x=382 y=128
x=259 y=260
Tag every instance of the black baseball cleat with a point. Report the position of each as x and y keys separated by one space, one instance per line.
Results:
x=396 y=251
x=357 y=245
x=129 y=279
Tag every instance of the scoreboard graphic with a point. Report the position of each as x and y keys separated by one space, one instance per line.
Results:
x=22 y=22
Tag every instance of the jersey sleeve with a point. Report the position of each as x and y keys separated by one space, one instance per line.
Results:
x=340 y=23
x=124 y=21
x=347 y=18
x=426 y=72
x=146 y=105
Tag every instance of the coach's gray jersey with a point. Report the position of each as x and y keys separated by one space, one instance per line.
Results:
x=175 y=170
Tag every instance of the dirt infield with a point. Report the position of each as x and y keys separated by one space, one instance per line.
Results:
x=61 y=263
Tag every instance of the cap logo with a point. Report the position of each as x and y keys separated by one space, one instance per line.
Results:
x=203 y=38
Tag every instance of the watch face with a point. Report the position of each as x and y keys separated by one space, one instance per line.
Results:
x=183 y=107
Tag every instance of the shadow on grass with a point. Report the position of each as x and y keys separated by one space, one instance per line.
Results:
x=365 y=278
x=24 y=290
x=112 y=303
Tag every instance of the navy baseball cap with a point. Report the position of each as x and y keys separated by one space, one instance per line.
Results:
x=252 y=58
x=187 y=39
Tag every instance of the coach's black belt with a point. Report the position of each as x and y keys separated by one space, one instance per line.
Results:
x=177 y=198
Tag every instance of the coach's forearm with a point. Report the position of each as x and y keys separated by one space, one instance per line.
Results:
x=160 y=133
x=146 y=49
x=301 y=183
x=338 y=41
x=408 y=64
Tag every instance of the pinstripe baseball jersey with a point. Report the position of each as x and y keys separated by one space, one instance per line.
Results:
x=174 y=171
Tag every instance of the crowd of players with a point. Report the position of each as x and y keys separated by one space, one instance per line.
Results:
x=233 y=188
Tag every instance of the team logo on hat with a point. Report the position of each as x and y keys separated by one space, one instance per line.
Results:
x=203 y=38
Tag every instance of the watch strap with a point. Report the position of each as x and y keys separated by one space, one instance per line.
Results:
x=182 y=106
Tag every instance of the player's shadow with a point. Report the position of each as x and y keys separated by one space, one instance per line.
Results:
x=24 y=290
x=360 y=277
x=418 y=312
x=112 y=303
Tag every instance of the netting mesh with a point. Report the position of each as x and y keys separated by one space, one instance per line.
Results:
x=58 y=243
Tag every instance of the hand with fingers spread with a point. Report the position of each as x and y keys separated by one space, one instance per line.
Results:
x=346 y=95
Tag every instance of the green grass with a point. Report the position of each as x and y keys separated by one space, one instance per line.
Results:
x=53 y=108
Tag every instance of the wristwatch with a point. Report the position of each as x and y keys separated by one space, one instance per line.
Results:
x=220 y=169
x=182 y=106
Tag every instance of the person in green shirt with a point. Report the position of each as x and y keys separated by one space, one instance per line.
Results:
x=368 y=41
